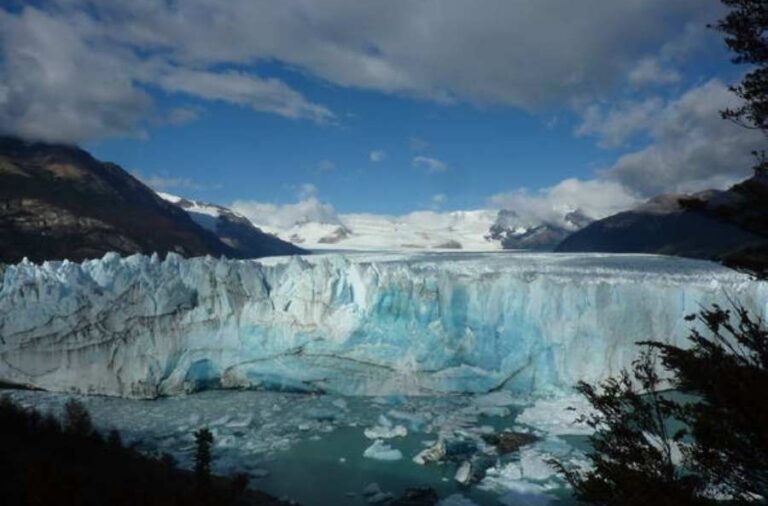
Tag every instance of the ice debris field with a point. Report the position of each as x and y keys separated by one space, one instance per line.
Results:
x=353 y=376
x=323 y=450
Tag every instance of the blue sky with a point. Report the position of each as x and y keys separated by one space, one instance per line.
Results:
x=272 y=102
x=232 y=153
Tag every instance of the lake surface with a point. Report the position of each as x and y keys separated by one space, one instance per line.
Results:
x=310 y=448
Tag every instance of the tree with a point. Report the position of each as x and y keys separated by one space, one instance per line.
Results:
x=114 y=440
x=203 y=442
x=745 y=27
x=634 y=456
x=727 y=368
x=723 y=440
x=77 y=420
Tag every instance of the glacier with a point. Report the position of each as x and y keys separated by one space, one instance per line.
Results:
x=353 y=324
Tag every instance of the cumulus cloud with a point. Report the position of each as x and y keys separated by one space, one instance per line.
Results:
x=687 y=147
x=66 y=77
x=283 y=217
x=59 y=87
x=691 y=147
x=430 y=164
x=649 y=71
x=614 y=125
x=86 y=64
x=377 y=155
x=595 y=198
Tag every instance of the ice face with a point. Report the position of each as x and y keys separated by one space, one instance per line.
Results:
x=351 y=324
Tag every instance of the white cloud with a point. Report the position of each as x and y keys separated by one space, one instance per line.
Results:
x=691 y=147
x=649 y=71
x=615 y=125
x=66 y=77
x=265 y=95
x=431 y=164
x=438 y=200
x=85 y=64
x=326 y=165
x=283 y=217
x=307 y=190
x=688 y=147
x=58 y=87
x=595 y=198
x=182 y=115
x=377 y=155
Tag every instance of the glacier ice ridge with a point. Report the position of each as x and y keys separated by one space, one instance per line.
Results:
x=355 y=324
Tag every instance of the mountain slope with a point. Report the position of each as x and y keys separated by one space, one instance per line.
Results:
x=233 y=229
x=731 y=226
x=515 y=232
x=59 y=202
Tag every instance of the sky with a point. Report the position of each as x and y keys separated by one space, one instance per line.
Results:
x=383 y=107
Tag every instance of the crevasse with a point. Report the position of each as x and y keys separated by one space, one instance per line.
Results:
x=365 y=324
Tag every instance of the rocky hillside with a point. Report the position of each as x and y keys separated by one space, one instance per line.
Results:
x=234 y=229
x=59 y=202
x=730 y=226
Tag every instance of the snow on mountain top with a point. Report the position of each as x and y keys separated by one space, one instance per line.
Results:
x=173 y=199
x=313 y=224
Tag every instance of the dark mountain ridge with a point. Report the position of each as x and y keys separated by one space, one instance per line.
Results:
x=730 y=226
x=58 y=202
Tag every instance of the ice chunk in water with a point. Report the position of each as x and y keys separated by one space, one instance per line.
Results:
x=385 y=430
x=382 y=451
x=558 y=416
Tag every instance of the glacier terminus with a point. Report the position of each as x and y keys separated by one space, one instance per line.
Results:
x=352 y=324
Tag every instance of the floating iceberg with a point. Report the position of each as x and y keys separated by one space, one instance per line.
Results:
x=372 y=324
x=379 y=450
x=385 y=430
x=559 y=416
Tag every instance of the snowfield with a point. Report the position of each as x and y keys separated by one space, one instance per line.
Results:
x=361 y=324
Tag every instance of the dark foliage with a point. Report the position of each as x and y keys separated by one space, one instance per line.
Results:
x=43 y=464
x=745 y=28
x=203 y=443
x=728 y=370
x=77 y=420
x=724 y=439
x=633 y=454
x=416 y=497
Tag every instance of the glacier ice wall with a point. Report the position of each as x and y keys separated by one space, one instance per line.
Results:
x=353 y=324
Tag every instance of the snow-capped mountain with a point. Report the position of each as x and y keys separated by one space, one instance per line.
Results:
x=313 y=225
x=418 y=230
x=514 y=232
x=233 y=229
